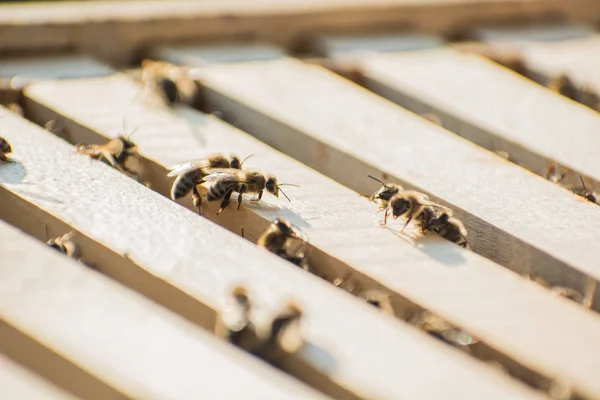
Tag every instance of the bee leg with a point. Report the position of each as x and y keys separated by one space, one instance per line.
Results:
x=260 y=193
x=385 y=217
x=108 y=158
x=225 y=201
x=406 y=224
x=197 y=199
x=242 y=190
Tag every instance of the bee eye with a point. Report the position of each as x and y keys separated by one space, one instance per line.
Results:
x=270 y=186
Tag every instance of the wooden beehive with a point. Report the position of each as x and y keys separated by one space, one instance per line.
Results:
x=465 y=101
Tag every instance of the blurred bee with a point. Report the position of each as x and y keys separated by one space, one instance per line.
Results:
x=375 y=297
x=563 y=85
x=383 y=195
x=279 y=239
x=283 y=336
x=169 y=82
x=234 y=323
x=586 y=299
x=223 y=182
x=450 y=229
x=190 y=174
x=56 y=126
x=5 y=148
x=65 y=245
x=411 y=204
x=555 y=177
x=440 y=329
x=114 y=153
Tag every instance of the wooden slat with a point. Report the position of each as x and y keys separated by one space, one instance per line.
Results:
x=180 y=249
x=94 y=27
x=549 y=51
x=535 y=126
x=100 y=340
x=338 y=222
x=503 y=226
x=17 y=382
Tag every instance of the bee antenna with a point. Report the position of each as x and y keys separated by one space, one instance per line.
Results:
x=288 y=184
x=244 y=160
x=286 y=196
x=380 y=181
x=582 y=181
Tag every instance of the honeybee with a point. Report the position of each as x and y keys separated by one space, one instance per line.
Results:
x=234 y=323
x=346 y=283
x=284 y=333
x=225 y=181
x=450 y=229
x=169 y=82
x=411 y=204
x=278 y=239
x=378 y=299
x=65 y=245
x=114 y=153
x=586 y=299
x=563 y=85
x=190 y=174
x=555 y=177
x=387 y=191
x=5 y=148
x=440 y=329
x=55 y=126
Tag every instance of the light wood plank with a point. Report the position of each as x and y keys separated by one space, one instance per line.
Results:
x=94 y=27
x=549 y=51
x=535 y=126
x=17 y=382
x=100 y=340
x=342 y=227
x=512 y=232
x=163 y=239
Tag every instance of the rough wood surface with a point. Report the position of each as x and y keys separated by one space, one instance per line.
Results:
x=342 y=227
x=279 y=105
x=181 y=249
x=17 y=382
x=533 y=125
x=96 y=27
x=100 y=340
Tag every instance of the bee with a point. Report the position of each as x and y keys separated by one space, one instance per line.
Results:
x=284 y=334
x=378 y=299
x=65 y=245
x=583 y=191
x=56 y=126
x=278 y=239
x=346 y=283
x=190 y=174
x=169 y=82
x=563 y=85
x=555 y=177
x=114 y=153
x=5 y=148
x=223 y=182
x=411 y=204
x=442 y=330
x=383 y=195
x=451 y=229
x=234 y=323
x=567 y=293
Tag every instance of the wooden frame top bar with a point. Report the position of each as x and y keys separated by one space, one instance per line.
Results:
x=79 y=26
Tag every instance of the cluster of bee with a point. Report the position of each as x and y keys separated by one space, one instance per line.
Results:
x=417 y=208
x=224 y=176
x=556 y=177
x=565 y=86
x=170 y=83
x=586 y=299
x=278 y=338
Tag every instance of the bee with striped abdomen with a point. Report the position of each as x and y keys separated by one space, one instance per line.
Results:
x=223 y=182
x=410 y=204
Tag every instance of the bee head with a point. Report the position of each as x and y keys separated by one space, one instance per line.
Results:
x=240 y=294
x=284 y=226
x=272 y=186
x=591 y=197
x=236 y=163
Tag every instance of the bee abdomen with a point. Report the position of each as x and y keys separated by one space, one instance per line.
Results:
x=5 y=146
x=183 y=184
x=218 y=190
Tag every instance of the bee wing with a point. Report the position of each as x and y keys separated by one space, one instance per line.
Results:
x=225 y=174
x=436 y=205
x=182 y=168
x=115 y=147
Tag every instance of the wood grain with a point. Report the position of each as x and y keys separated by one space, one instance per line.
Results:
x=17 y=382
x=203 y=262
x=96 y=27
x=342 y=227
x=99 y=340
